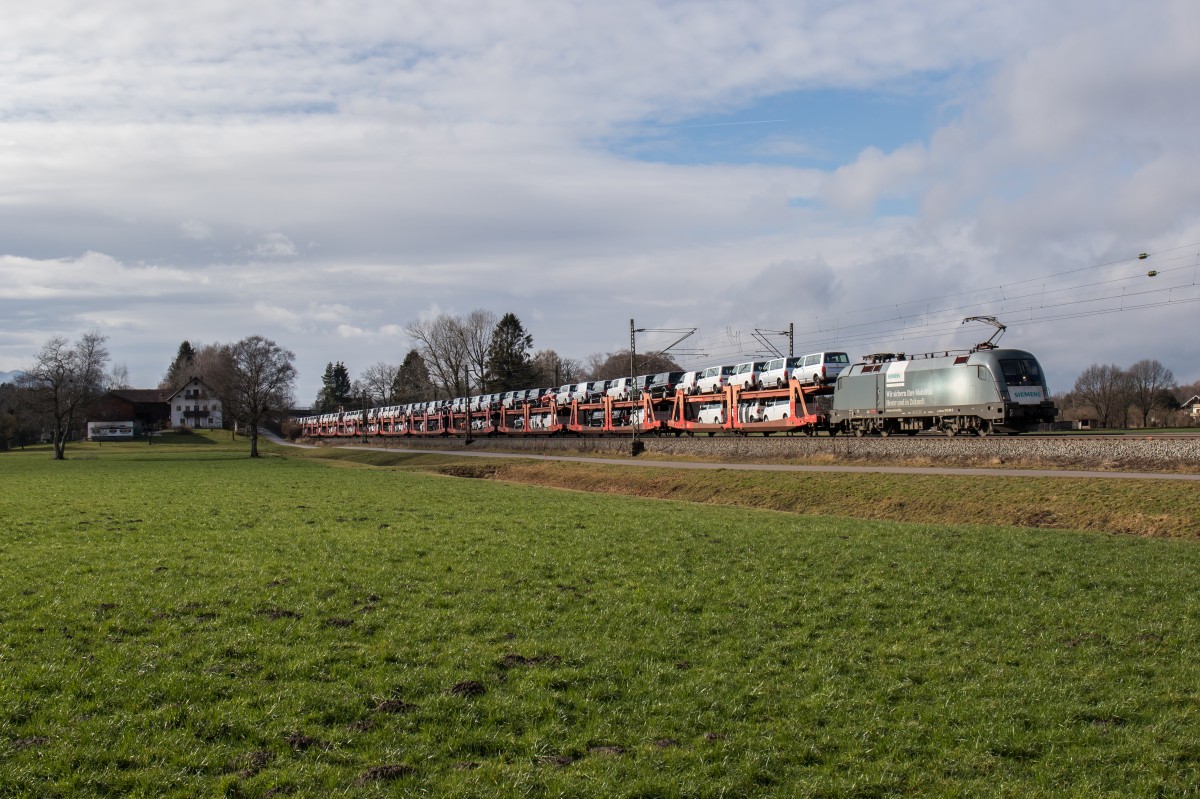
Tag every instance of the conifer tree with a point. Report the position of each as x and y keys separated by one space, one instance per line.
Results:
x=181 y=368
x=508 y=357
x=335 y=388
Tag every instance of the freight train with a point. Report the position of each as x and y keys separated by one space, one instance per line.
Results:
x=983 y=391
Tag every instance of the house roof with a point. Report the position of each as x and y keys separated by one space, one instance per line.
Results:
x=188 y=385
x=1190 y=401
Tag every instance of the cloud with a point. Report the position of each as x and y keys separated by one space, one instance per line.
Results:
x=195 y=230
x=92 y=275
x=274 y=245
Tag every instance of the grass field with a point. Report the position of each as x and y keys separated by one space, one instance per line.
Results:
x=178 y=620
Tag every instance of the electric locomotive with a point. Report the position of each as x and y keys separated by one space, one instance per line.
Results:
x=984 y=391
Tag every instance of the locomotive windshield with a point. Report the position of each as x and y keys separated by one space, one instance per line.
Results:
x=1021 y=371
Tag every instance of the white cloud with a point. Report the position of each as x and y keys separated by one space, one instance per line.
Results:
x=275 y=245
x=195 y=230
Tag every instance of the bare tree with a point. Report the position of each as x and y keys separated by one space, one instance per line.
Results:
x=260 y=382
x=1149 y=381
x=118 y=378
x=549 y=369
x=476 y=331
x=592 y=364
x=379 y=382
x=442 y=346
x=617 y=365
x=1106 y=390
x=64 y=381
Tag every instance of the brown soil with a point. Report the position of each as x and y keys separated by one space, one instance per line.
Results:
x=468 y=688
x=383 y=774
x=513 y=660
x=395 y=706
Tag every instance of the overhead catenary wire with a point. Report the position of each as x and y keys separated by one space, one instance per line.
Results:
x=1034 y=300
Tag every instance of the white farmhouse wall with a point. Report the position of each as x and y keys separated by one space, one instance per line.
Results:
x=195 y=405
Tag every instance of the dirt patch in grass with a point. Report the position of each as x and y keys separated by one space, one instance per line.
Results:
x=513 y=660
x=384 y=774
x=562 y=761
x=470 y=470
x=395 y=706
x=607 y=750
x=29 y=743
x=255 y=762
x=301 y=742
x=275 y=614
x=468 y=688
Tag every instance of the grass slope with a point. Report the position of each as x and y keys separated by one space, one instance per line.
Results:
x=183 y=621
x=1136 y=507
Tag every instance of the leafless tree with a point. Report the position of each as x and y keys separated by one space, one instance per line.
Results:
x=260 y=382
x=442 y=346
x=64 y=381
x=118 y=378
x=1149 y=383
x=476 y=331
x=1106 y=390
x=552 y=370
x=379 y=382
x=592 y=364
x=617 y=365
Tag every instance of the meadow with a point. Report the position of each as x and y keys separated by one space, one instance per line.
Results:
x=179 y=620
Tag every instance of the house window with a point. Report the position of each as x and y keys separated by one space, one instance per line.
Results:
x=178 y=408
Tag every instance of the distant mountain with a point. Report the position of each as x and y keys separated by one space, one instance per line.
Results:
x=8 y=377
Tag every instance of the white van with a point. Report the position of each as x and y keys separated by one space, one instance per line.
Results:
x=619 y=389
x=821 y=368
x=688 y=383
x=779 y=371
x=714 y=378
x=747 y=375
x=711 y=413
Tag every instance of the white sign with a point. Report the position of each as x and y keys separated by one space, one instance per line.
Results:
x=1026 y=395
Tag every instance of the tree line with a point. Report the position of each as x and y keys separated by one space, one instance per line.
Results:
x=253 y=378
x=459 y=356
x=1146 y=394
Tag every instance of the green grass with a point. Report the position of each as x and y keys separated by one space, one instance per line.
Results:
x=182 y=621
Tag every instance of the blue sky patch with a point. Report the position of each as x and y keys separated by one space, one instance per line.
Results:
x=818 y=129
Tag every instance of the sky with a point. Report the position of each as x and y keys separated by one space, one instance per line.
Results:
x=870 y=173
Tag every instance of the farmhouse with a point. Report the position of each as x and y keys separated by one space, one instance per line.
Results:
x=147 y=407
x=195 y=405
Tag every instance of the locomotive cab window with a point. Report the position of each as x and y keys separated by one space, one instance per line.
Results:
x=1021 y=372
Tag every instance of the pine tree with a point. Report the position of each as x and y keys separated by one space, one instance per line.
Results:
x=508 y=357
x=412 y=382
x=181 y=368
x=335 y=388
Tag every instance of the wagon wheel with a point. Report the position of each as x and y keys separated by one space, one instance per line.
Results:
x=858 y=432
